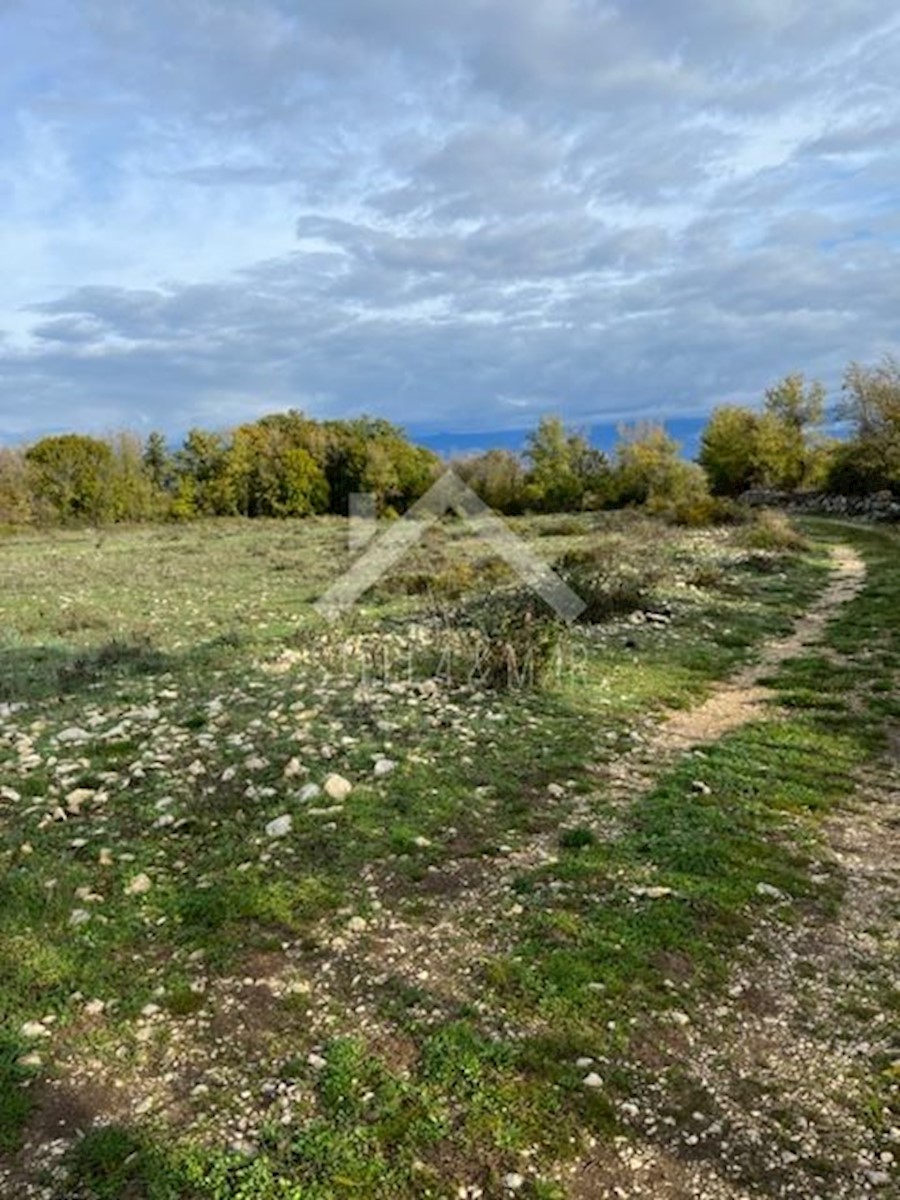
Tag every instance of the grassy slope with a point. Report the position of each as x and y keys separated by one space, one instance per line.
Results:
x=471 y=1100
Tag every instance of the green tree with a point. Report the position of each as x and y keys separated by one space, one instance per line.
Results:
x=647 y=463
x=367 y=454
x=72 y=477
x=203 y=459
x=133 y=495
x=786 y=441
x=158 y=462
x=566 y=472
x=271 y=473
x=800 y=405
x=728 y=450
x=870 y=460
x=498 y=477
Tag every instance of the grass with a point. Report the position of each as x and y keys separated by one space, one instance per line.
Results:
x=196 y=694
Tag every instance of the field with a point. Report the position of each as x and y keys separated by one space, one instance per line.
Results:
x=307 y=911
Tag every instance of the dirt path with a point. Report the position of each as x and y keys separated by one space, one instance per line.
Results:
x=745 y=696
x=781 y=1066
x=462 y=917
x=786 y=1091
x=428 y=949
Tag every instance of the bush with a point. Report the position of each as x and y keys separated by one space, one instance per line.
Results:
x=772 y=531
x=517 y=637
x=702 y=512
x=610 y=585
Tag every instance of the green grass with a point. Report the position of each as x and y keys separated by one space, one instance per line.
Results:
x=161 y=644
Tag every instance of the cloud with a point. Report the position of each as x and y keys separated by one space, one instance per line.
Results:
x=454 y=217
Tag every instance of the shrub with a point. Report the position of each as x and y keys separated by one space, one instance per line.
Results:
x=701 y=512
x=516 y=637
x=578 y=838
x=561 y=527
x=772 y=531
x=610 y=585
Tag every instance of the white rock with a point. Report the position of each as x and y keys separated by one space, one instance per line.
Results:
x=592 y=1081
x=311 y=791
x=139 y=886
x=337 y=788
x=766 y=889
x=422 y=842
x=556 y=790
x=357 y=924
x=94 y=1008
x=293 y=769
x=34 y=1029
x=280 y=827
x=701 y=788
x=680 y=1018
x=652 y=893
x=76 y=799
x=878 y=1178
x=72 y=734
x=384 y=766
x=317 y=1062
x=79 y=916
x=513 y=1182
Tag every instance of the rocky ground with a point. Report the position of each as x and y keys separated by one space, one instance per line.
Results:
x=764 y=1085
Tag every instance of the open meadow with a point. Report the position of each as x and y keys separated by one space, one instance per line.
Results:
x=446 y=899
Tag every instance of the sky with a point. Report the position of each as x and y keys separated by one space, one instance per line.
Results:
x=458 y=217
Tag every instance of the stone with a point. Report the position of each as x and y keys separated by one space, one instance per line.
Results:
x=513 y=1182
x=337 y=788
x=75 y=800
x=357 y=925
x=80 y=916
x=652 y=893
x=72 y=734
x=592 y=1081
x=767 y=889
x=280 y=827
x=311 y=791
x=34 y=1029
x=139 y=886
x=384 y=766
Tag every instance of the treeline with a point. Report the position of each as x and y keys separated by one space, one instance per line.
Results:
x=783 y=447
x=289 y=465
x=284 y=465
x=780 y=446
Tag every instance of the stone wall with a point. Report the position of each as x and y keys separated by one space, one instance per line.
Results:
x=879 y=507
